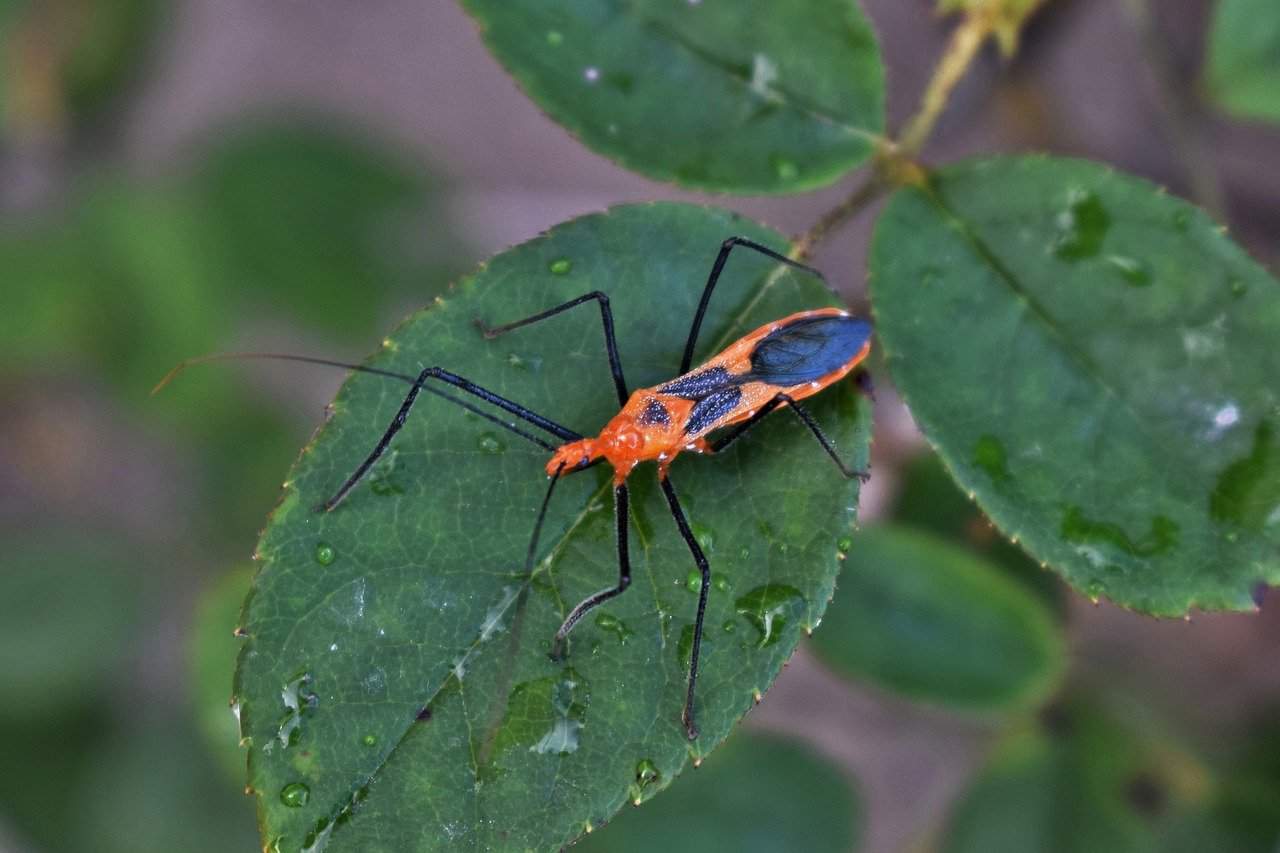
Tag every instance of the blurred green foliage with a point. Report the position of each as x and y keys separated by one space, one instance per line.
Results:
x=312 y=231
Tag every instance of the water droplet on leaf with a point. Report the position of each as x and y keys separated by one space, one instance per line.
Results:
x=694 y=581
x=1132 y=270
x=769 y=608
x=615 y=626
x=489 y=443
x=325 y=554
x=560 y=266
x=1082 y=226
x=784 y=167
x=295 y=795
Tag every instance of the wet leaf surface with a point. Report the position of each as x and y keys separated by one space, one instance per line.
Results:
x=921 y=617
x=1095 y=362
x=397 y=662
x=758 y=794
x=749 y=97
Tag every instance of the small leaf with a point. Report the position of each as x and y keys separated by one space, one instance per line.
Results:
x=752 y=96
x=1243 y=67
x=397 y=662
x=1094 y=361
x=759 y=793
x=921 y=617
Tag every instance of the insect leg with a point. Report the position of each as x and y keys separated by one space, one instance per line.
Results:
x=718 y=267
x=441 y=375
x=803 y=414
x=690 y=726
x=620 y=500
x=606 y=317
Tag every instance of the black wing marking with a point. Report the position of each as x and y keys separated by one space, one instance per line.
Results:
x=654 y=414
x=807 y=349
x=696 y=386
x=711 y=409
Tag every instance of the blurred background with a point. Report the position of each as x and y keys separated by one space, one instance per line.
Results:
x=190 y=176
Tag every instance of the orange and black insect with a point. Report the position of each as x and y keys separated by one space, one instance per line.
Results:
x=773 y=367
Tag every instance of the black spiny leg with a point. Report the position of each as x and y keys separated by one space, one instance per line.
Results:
x=442 y=375
x=606 y=317
x=718 y=267
x=690 y=726
x=624 y=577
x=803 y=414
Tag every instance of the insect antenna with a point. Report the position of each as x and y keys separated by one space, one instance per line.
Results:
x=360 y=368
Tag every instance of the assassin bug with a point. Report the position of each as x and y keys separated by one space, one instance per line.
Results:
x=775 y=366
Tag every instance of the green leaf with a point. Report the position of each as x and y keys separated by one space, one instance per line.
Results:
x=748 y=97
x=1085 y=782
x=930 y=500
x=759 y=794
x=1095 y=362
x=923 y=618
x=1243 y=66
x=412 y=593
x=212 y=651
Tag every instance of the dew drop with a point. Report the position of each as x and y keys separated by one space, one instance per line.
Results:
x=930 y=276
x=646 y=773
x=744 y=554
x=694 y=581
x=569 y=697
x=1132 y=270
x=1082 y=226
x=784 y=167
x=769 y=608
x=720 y=582
x=1181 y=219
x=729 y=626
x=325 y=554
x=844 y=544
x=1238 y=288
x=591 y=74
x=555 y=38
x=615 y=626
x=560 y=266
x=489 y=443
x=295 y=795
x=705 y=537
x=1095 y=590
x=989 y=455
x=369 y=740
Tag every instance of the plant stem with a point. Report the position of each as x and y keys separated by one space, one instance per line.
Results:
x=869 y=190
x=893 y=166
x=960 y=53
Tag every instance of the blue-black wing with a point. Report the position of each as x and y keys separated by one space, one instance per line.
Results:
x=807 y=349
